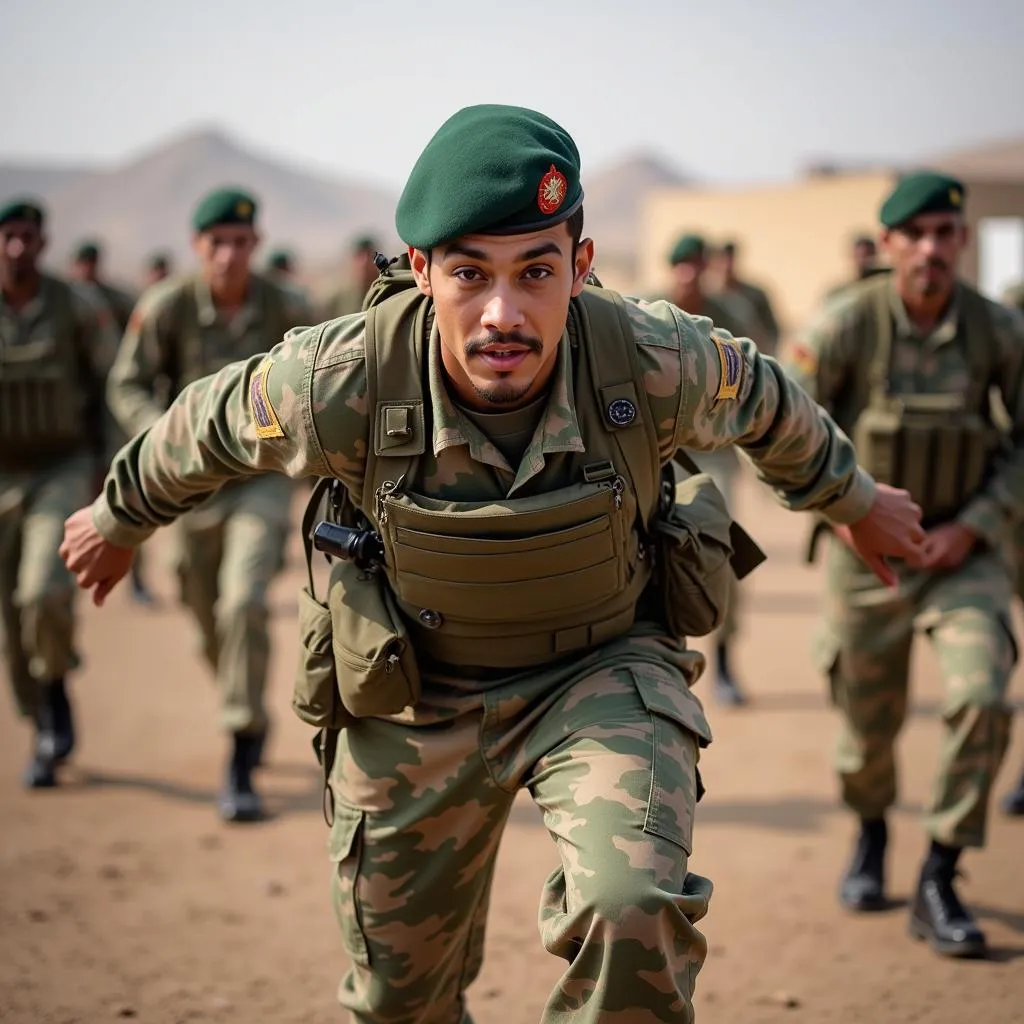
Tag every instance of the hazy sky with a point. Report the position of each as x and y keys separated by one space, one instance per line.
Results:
x=728 y=90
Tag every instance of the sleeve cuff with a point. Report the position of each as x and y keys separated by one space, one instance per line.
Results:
x=113 y=530
x=855 y=504
x=985 y=517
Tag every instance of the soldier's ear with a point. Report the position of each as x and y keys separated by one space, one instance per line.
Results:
x=419 y=261
x=582 y=263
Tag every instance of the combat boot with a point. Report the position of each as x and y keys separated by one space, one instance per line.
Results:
x=938 y=916
x=726 y=689
x=862 y=889
x=1013 y=802
x=238 y=800
x=54 y=738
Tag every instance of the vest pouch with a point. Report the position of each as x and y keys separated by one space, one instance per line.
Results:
x=876 y=438
x=376 y=664
x=692 y=552
x=315 y=696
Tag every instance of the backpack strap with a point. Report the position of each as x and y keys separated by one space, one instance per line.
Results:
x=598 y=321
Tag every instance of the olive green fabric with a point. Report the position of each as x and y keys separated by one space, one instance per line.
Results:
x=922 y=192
x=22 y=208
x=490 y=169
x=939 y=447
x=510 y=431
x=687 y=247
x=224 y=206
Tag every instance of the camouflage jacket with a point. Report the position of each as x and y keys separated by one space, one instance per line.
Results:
x=825 y=357
x=301 y=410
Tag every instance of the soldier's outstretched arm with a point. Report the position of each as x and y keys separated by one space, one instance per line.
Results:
x=709 y=390
x=252 y=417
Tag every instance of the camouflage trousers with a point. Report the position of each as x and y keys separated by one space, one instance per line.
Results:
x=723 y=468
x=228 y=552
x=865 y=647
x=37 y=593
x=607 y=746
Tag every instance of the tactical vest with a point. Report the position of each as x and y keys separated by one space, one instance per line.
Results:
x=939 y=447
x=194 y=355
x=42 y=404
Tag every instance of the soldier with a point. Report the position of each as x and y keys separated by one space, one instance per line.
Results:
x=362 y=272
x=864 y=257
x=56 y=344
x=504 y=641
x=158 y=267
x=231 y=546
x=904 y=362
x=767 y=336
x=732 y=312
x=281 y=271
x=1013 y=802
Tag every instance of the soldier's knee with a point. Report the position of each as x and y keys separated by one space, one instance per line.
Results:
x=629 y=903
x=248 y=610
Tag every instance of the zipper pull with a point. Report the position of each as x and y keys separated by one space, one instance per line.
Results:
x=386 y=489
x=618 y=486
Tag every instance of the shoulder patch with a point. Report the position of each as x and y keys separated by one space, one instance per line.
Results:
x=802 y=358
x=730 y=355
x=263 y=416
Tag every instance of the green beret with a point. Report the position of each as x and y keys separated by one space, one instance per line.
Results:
x=224 y=206
x=922 y=192
x=280 y=259
x=22 y=209
x=159 y=261
x=689 y=247
x=490 y=169
x=87 y=251
x=364 y=243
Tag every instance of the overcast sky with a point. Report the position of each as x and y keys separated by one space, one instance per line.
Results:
x=728 y=90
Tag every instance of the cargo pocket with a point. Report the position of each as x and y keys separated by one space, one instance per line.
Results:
x=315 y=696
x=346 y=852
x=678 y=731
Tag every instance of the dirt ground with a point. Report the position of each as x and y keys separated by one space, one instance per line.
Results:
x=122 y=896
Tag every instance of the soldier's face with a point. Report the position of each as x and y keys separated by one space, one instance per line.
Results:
x=501 y=304
x=864 y=257
x=225 y=252
x=687 y=273
x=85 y=270
x=924 y=252
x=21 y=244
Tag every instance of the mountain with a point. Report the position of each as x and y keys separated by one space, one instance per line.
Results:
x=39 y=180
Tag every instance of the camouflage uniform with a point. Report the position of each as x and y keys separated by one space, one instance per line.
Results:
x=38 y=494
x=766 y=330
x=606 y=742
x=866 y=636
x=231 y=547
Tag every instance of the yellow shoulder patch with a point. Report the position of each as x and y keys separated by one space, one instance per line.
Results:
x=263 y=416
x=730 y=355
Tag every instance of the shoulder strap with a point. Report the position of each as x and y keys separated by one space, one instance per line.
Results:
x=879 y=364
x=599 y=322
x=309 y=516
x=395 y=336
x=977 y=333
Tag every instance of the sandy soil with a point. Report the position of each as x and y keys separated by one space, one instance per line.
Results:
x=122 y=896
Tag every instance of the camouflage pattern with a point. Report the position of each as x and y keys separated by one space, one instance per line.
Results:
x=1014 y=298
x=607 y=742
x=36 y=591
x=865 y=639
x=228 y=551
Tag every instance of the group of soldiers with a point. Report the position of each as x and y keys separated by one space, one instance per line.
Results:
x=469 y=425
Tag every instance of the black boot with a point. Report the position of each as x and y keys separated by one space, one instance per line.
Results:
x=141 y=594
x=41 y=772
x=63 y=721
x=1013 y=802
x=238 y=800
x=938 y=916
x=727 y=690
x=863 y=886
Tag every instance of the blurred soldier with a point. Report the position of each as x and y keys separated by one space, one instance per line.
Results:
x=232 y=544
x=1013 y=802
x=158 y=267
x=864 y=260
x=903 y=361
x=361 y=273
x=56 y=344
x=731 y=312
x=766 y=327
x=281 y=271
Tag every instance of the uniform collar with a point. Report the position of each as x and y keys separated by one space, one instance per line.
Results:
x=943 y=332
x=247 y=313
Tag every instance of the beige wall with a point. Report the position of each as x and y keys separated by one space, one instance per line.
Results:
x=793 y=238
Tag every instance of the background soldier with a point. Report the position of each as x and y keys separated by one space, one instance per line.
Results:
x=158 y=267
x=56 y=344
x=863 y=262
x=904 y=361
x=512 y=674
x=732 y=312
x=231 y=545
x=360 y=274
x=766 y=333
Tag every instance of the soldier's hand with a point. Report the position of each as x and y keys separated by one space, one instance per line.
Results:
x=891 y=529
x=946 y=547
x=96 y=564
